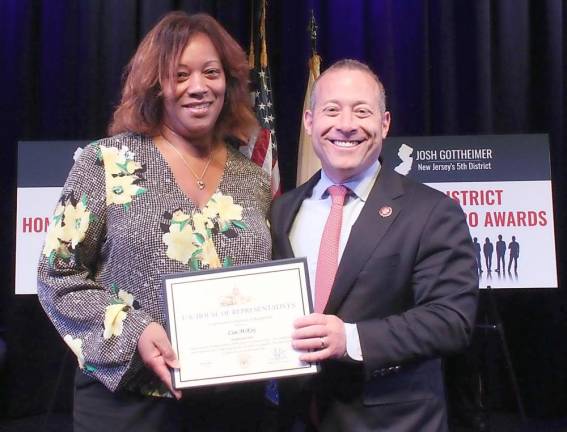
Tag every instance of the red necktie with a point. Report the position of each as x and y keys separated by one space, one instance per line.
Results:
x=328 y=260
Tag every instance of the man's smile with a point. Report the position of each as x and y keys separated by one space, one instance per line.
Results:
x=345 y=143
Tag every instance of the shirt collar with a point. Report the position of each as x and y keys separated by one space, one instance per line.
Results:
x=360 y=185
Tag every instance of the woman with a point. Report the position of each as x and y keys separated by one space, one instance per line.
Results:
x=164 y=194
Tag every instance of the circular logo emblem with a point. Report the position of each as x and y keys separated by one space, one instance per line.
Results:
x=385 y=211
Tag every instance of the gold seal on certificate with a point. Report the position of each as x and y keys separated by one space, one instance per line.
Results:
x=234 y=324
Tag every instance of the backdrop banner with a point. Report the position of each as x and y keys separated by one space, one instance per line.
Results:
x=43 y=167
x=503 y=184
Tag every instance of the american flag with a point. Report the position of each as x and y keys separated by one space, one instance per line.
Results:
x=262 y=147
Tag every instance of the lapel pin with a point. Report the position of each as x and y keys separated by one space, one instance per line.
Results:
x=385 y=211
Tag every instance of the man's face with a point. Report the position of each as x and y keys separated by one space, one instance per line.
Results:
x=345 y=124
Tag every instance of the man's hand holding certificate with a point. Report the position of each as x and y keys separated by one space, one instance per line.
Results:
x=235 y=324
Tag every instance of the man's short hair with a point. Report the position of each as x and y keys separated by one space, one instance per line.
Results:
x=351 y=64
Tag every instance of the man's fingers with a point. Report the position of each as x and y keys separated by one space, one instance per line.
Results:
x=315 y=356
x=313 y=331
x=309 y=344
x=309 y=320
x=322 y=336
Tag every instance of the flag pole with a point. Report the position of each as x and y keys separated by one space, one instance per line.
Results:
x=307 y=161
x=262 y=147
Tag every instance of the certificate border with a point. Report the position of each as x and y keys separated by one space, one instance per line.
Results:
x=307 y=307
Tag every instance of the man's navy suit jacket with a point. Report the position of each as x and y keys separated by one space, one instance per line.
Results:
x=408 y=279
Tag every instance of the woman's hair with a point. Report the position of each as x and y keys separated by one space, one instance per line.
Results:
x=155 y=64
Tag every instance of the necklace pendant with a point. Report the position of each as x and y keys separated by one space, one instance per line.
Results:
x=198 y=180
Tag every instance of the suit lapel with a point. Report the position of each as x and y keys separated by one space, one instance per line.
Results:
x=366 y=233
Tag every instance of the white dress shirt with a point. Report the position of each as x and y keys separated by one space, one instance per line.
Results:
x=307 y=229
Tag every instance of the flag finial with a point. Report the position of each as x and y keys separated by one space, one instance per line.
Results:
x=312 y=29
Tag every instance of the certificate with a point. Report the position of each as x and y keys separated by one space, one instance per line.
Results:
x=234 y=324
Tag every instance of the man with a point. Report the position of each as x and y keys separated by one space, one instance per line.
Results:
x=500 y=253
x=488 y=249
x=514 y=247
x=405 y=291
x=476 y=246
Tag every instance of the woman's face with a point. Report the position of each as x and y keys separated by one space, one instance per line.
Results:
x=193 y=103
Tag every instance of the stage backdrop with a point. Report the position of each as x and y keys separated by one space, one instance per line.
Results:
x=42 y=169
x=503 y=184
x=449 y=68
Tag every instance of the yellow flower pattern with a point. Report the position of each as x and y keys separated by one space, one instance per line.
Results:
x=54 y=235
x=121 y=189
x=209 y=255
x=121 y=175
x=68 y=228
x=116 y=312
x=189 y=238
x=126 y=297
x=118 y=161
x=223 y=207
x=114 y=316
x=201 y=223
x=76 y=346
x=179 y=241
x=101 y=251
x=77 y=219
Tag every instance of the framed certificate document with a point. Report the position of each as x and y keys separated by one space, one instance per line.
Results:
x=234 y=324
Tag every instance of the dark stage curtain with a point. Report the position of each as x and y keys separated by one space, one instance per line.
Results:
x=449 y=67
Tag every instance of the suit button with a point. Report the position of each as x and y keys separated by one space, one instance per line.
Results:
x=376 y=374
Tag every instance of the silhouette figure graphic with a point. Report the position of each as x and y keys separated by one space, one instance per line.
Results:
x=476 y=246
x=488 y=249
x=500 y=253
x=514 y=247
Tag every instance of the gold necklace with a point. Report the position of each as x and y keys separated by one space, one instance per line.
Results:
x=198 y=179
